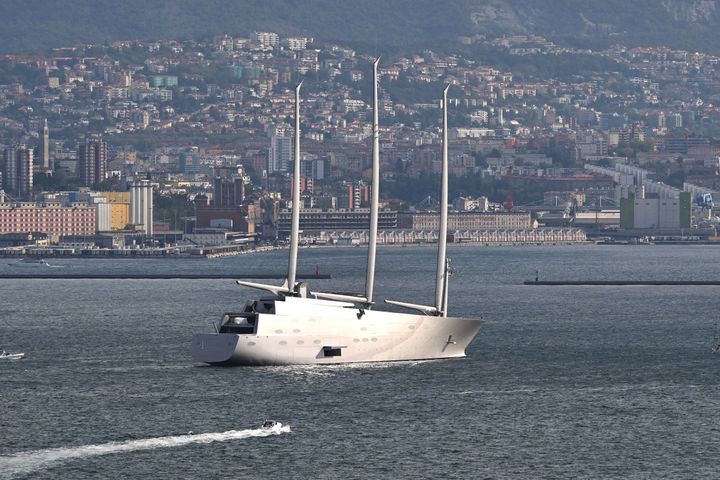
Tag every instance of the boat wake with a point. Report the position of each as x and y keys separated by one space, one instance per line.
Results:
x=23 y=463
x=340 y=368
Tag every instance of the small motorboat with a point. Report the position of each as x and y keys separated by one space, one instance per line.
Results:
x=34 y=261
x=11 y=356
x=270 y=425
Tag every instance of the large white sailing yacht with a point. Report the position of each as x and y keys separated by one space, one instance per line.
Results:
x=294 y=325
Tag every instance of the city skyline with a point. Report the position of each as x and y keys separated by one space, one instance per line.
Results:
x=517 y=140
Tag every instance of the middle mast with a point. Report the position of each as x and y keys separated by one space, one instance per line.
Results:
x=295 y=226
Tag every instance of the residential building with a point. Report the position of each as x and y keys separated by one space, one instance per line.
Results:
x=18 y=171
x=157 y=81
x=267 y=39
x=189 y=162
x=296 y=43
x=92 y=162
x=280 y=155
x=355 y=195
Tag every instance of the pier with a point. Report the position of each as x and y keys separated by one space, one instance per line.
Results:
x=156 y=276
x=620 y=283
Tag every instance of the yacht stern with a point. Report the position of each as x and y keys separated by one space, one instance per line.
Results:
x=214 y=348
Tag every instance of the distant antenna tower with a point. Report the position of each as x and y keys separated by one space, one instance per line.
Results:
x=508 y=199
x=429 y=204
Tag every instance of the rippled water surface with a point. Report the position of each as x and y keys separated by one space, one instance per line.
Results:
x=561 y=382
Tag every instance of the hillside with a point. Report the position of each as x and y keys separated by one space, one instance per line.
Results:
x=31 y=25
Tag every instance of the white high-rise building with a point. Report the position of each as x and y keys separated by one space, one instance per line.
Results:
x=661 y=121
x=296 y=43
x=280 y=155
x=267 y=39
x=675 y=120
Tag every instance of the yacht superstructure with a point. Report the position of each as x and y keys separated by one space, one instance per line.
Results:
x=294 y=325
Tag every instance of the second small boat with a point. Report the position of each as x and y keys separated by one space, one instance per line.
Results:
x=11 y=356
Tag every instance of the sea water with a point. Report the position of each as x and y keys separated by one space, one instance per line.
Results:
x=561 y=382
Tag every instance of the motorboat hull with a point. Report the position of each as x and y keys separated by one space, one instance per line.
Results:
x=12 y=356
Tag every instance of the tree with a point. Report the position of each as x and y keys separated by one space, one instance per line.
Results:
x=172 y=209
x=57 y=182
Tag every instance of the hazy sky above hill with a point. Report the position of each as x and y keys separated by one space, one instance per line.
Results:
x=30 y=25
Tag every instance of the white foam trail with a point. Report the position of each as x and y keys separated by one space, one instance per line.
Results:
x=329 y=370
x=33 y=460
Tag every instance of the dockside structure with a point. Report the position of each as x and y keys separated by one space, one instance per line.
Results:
x=503 y=236
x=316 y=220
x=465 y=220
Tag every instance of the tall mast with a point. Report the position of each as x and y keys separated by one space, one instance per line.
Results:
x=441 y=279
x=441 y=283
x=295 y=228
x=375 y=190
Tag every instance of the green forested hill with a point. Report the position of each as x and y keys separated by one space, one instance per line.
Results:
x=29 y=25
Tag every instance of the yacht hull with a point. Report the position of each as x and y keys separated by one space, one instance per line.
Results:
x=341 y=337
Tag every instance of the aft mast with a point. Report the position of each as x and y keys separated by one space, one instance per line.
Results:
x=295 y=227
x=375 y=190
x=441 y=276
x=441 y=283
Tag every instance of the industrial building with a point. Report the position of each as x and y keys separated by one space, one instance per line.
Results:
x=317 y=219
x=119 y=208
x=466 y=220
x=141 y=205
x=655 y=212
x=113 y=208
x=54 y=219
x=227 y=210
